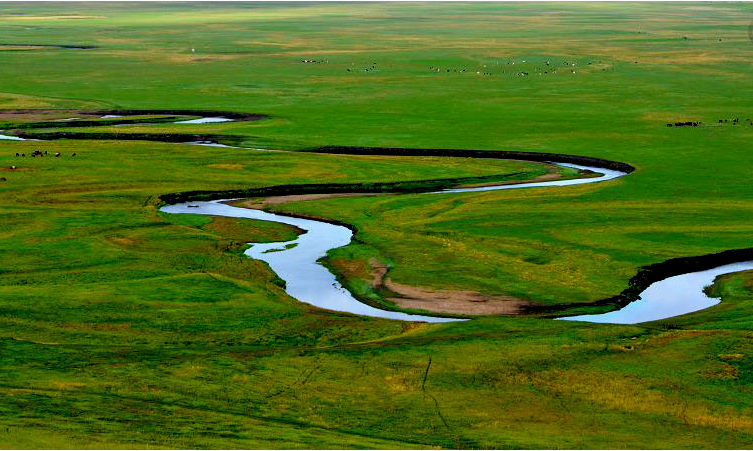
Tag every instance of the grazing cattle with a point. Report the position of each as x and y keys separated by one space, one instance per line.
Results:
x=13 y=167
x=17 y=154
x=74 y=154
x=3 y=179
x=669 y=125
x=57 y=154
x=23 y=154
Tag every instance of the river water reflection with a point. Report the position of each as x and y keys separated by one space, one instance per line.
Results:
x=309 y=281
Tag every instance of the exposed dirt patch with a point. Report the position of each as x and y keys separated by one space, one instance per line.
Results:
x=123 y=241
x=721 y=370
x=443 y=301
x=29 y=113
x=553 y=174
x=20 y=47
x=275 y=200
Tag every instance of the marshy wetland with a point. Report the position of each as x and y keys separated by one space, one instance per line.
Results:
x=125 y=326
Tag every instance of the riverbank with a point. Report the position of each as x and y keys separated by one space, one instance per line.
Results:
x=297 y=261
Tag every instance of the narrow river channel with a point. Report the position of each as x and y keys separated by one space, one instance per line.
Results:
x=296 y=261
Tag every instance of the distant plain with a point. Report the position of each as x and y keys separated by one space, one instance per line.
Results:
x=124 y=327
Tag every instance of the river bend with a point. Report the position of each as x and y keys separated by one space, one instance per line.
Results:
x=296 y=261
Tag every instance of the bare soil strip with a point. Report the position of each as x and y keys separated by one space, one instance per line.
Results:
x=463 y=302
x=553 y=174
x=276 y=200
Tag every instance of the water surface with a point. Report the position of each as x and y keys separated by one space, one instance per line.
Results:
x=309 y=281
x=306 y=279
x=606 y=174
x=204 y=120
x=667 y=298
x=12 y=138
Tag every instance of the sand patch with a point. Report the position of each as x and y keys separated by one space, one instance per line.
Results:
x=463 y=302
x=552 y=174
x=275 y=200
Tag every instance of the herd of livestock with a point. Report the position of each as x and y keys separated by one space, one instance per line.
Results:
x=548 y=67
x=734 y=121
x=36 y=153
x=39 y=153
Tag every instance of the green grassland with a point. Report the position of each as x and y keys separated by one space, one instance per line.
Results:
x=122 y=327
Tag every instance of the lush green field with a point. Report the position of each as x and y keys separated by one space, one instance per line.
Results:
x=122 y=327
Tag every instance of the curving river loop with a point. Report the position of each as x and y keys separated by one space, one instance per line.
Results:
x=296 y=261
x=309 y=281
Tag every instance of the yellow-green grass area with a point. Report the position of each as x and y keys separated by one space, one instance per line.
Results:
x=550 y=246
x=91 y=268
x=123 y=327
x=68 y=118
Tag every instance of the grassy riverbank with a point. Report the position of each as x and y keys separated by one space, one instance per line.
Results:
x=122 y=327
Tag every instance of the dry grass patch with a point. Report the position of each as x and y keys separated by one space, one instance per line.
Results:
x=226 y=166
x=61 y=17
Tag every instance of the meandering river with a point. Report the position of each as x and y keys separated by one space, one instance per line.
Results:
x=296 y=261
